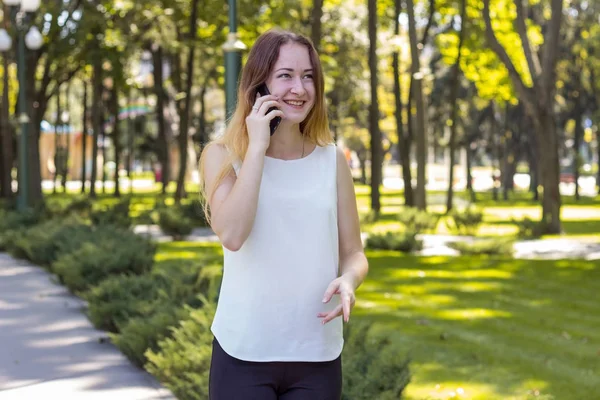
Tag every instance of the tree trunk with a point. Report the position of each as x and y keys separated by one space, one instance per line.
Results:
x=103 y=141
x=116 y=136
x=7 y=142
x=316 y=15
x=549 y=165
x=84 y=129
x=454 y=102
x=421 y=200
x=58 y=151
x=96 y=120
x=403 y=141
x=163 y=142
x=534 y=175
x=577 y=145
x=376 y=145
x=469 y=173
x=185 y=111
x=130 y=142
x=67 y=136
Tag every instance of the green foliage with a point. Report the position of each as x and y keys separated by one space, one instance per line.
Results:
x=121 y=253
x=399 y=241
x=193 y=210
x=42 y=243
x=182 y=362
x=118 y=299
x=528 y=228
x=465 y=222
x=174 y=223
x=496 y=246
x=117 y=214
x=143 y=333
x=372 y=368
x=418 y=221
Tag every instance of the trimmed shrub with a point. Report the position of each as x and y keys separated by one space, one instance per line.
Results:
x=174 y=223
x=528 y=228
x=143 y=333
x=465 y=222
x=182 y=362
x=117 y=214
x=194 y=211
x=121 y=253
x=501 y=247
x=418 y=221
x=42 y=243
x=372 y=368
x=117 y=299
x=405 y=242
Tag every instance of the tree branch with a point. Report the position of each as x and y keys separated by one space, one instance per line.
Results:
x=520 y=87
x=429 y=22
x=551 y=48
x=533 y=61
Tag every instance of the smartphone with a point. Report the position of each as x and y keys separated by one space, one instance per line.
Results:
x=263 y=91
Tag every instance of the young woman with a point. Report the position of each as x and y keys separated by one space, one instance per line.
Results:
x=284 y=208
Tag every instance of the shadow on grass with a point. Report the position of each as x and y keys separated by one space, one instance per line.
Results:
x=498 y=328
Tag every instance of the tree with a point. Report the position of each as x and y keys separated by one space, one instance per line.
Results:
x=376 y=146
x=538 y=100
x=454 y=103
x=421 y=131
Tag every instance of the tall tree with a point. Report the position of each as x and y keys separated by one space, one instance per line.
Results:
x=454 y=102
x=316 y=15
x=6 y=131
x=403 y=140
x=184 y=107
x=538 y=99
x=376 y=145
x=421 y=131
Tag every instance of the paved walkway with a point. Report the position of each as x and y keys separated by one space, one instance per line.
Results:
x=49 y=349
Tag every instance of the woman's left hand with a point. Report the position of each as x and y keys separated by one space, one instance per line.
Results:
x=345 y=288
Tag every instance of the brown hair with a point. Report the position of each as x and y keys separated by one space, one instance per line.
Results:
x=261 y=60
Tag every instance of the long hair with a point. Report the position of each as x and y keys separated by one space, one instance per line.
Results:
x=261 y=60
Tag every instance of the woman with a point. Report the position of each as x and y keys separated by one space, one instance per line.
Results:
x=284 y=208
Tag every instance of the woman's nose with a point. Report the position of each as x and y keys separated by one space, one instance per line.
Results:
x=298 y=87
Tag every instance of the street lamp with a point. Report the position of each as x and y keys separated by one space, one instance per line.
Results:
x=233 y=60
x=19 y=10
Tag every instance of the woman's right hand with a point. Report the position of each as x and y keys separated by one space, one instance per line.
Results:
x=257 y=122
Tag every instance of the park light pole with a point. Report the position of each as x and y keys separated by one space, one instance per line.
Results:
x=233 y=48
x=20 y=11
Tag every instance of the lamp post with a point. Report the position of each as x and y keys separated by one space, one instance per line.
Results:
x=19 y=11
x=233 y=60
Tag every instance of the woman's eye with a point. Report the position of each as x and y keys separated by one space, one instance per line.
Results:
x=284 y=76
x=308 y=76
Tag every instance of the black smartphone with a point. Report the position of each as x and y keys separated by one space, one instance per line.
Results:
x=263 y=91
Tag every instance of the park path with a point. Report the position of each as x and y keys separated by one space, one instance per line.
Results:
x=49 y=349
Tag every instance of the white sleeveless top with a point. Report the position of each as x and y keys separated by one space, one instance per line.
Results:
x=273 y=286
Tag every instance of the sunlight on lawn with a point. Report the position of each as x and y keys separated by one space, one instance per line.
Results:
x=495 y=328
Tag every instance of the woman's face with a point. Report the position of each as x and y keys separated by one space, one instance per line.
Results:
x=292 y=80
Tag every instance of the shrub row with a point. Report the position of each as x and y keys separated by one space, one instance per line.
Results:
x=159 y=316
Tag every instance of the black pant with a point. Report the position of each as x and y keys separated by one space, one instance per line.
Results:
x=233 y=379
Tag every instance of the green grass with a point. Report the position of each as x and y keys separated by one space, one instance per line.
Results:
x=489 y=328
x=580 y=219
x=479 y=328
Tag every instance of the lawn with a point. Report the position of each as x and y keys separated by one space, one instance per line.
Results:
x=478 y=328
x=580 y=219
